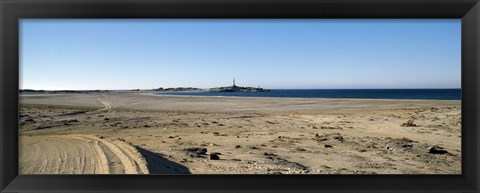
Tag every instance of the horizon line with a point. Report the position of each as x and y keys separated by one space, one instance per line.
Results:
x=264 y=88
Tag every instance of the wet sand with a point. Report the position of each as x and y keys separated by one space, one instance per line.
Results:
x=138 y=133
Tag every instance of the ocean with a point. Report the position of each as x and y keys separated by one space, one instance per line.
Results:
x=425 y=94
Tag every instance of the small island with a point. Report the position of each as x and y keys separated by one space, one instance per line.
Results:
x=235 y=88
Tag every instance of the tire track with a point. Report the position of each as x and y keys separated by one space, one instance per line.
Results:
x=80 y=154
x=114 y=165
x=107 y=105
x=102 y=167
x=132 y=161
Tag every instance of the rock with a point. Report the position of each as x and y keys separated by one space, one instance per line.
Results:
x=338 y=138
x=196 y=152
x=194 y=155
x=268 y=154
x=73 y=121
x=400 y=143
x=216 y=133
x=238 y=146
x=199 y=150
x=215 y=156
x=106 y=119
x=330 y=127
x=407 y=145
x=327 y=137
x=409 y=123
x=327 y=146
x=66 y=122
x=437 y=150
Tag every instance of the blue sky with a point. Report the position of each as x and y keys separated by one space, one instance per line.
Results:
x=130 y=54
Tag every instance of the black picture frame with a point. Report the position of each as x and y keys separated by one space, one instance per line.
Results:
x=13 y=10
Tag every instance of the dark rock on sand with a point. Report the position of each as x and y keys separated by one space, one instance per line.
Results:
x=437 y=150
x=215 y=156
x=199 y=150
x=397 y=143
x=196 y=152
x=409 y=123
x=327 y=137
x=72 y=121
x=300 y=149
x=268 y=154
x=29 y=120
x=331 y=127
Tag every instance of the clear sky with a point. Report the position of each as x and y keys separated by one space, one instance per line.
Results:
x=144 y=54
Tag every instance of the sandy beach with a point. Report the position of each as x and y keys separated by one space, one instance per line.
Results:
x=140 y=133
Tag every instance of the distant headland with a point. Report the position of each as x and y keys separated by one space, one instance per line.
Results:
x=233 y=88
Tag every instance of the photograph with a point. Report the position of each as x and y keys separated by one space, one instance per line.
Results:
x=240 y=96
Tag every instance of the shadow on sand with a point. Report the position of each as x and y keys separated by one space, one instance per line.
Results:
x=160 y=165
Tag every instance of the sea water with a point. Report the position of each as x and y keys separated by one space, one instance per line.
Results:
x=425 y=94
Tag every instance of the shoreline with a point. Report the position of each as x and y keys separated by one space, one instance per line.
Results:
x=255 y=97
x=239 y=97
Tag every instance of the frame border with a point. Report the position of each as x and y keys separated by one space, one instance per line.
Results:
x=13 y=10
